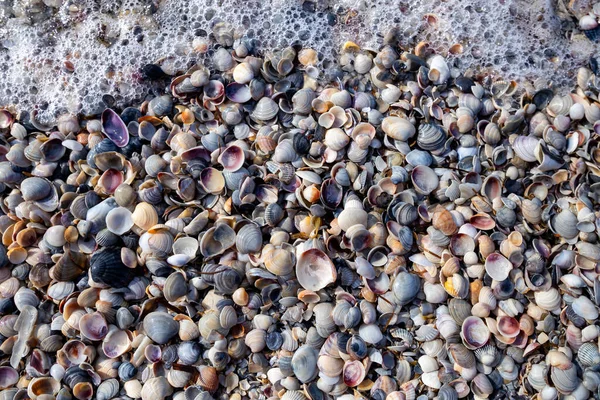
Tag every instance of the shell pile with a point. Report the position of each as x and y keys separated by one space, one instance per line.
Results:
x=584 y=15
x=254 y=232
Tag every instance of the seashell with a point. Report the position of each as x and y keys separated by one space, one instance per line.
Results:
x=315 y=270
x=564 y=380
x=497 y=266
x=249 y=239
x=461 y=355
x=354 y=373
x=232 y=159
x=431 y=137
x=439 y=72
x=93 y=326
x=8 y=377
x=588 y=354
x=188 y=352
x=216 y=240
x=565 y=224
x=548 y=300
x=285 y=152
x=35 y=188
x=116 y=343
x=156 y=388
x=405 y=287
x=508 y=326
x=474 y=333
x=107 y=389
x=107 y=268
x=175 y=287
x=119 y=220
x=25 y=297
x=144 y=216
x=42 y=386
x=243 y=73
x=336 y=139
x=160 y=327
x=424 y=179
x=584 y=307
x=302 y=101
x=227 y=281
x=114 y=128
x=304 y=363
x=266 y=109
x=398 y=128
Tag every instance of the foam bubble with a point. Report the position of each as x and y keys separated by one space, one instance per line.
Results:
x=66 y=58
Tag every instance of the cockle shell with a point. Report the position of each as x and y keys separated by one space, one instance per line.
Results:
x=315 y=270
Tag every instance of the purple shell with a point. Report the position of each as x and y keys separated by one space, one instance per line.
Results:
x=114 y=128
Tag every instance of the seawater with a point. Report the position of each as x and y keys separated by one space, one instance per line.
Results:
x=76 y=56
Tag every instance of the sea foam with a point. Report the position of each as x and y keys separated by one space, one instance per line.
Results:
x=78 y=55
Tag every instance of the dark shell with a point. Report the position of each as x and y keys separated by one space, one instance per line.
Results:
x=331 y=193
x=52 y=150
x=464 y=84
x=301 y=144
x=274 y=341
x=75 y=375
x=593 y=34
x=114 y=128
x=130 y=114
x=107 y=268
x=104 y=146
x=127 y=371
x=542 y=98
x=227 y=280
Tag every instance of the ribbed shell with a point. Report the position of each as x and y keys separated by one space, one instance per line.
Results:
x=107 y=268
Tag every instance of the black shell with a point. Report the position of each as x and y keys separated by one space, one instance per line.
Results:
x=593 y=34
x=464 y=84
x=106 y=267
x=301 y=144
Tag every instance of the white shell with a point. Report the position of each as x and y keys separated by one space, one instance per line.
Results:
x=119 y=220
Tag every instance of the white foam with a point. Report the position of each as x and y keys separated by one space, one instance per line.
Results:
x=514 y=38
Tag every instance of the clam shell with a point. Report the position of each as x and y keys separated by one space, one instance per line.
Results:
x=315 y=270
x=216 y=240
x=424 y=179
x=304 y=363
x=497 y=266
x=398 y=128
x=249 y=239
x=107 y=268
x=160 y=327
x=265 y=110
x=405 y=287
x=474 y=333
x=114 y=128
x=119 y=220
